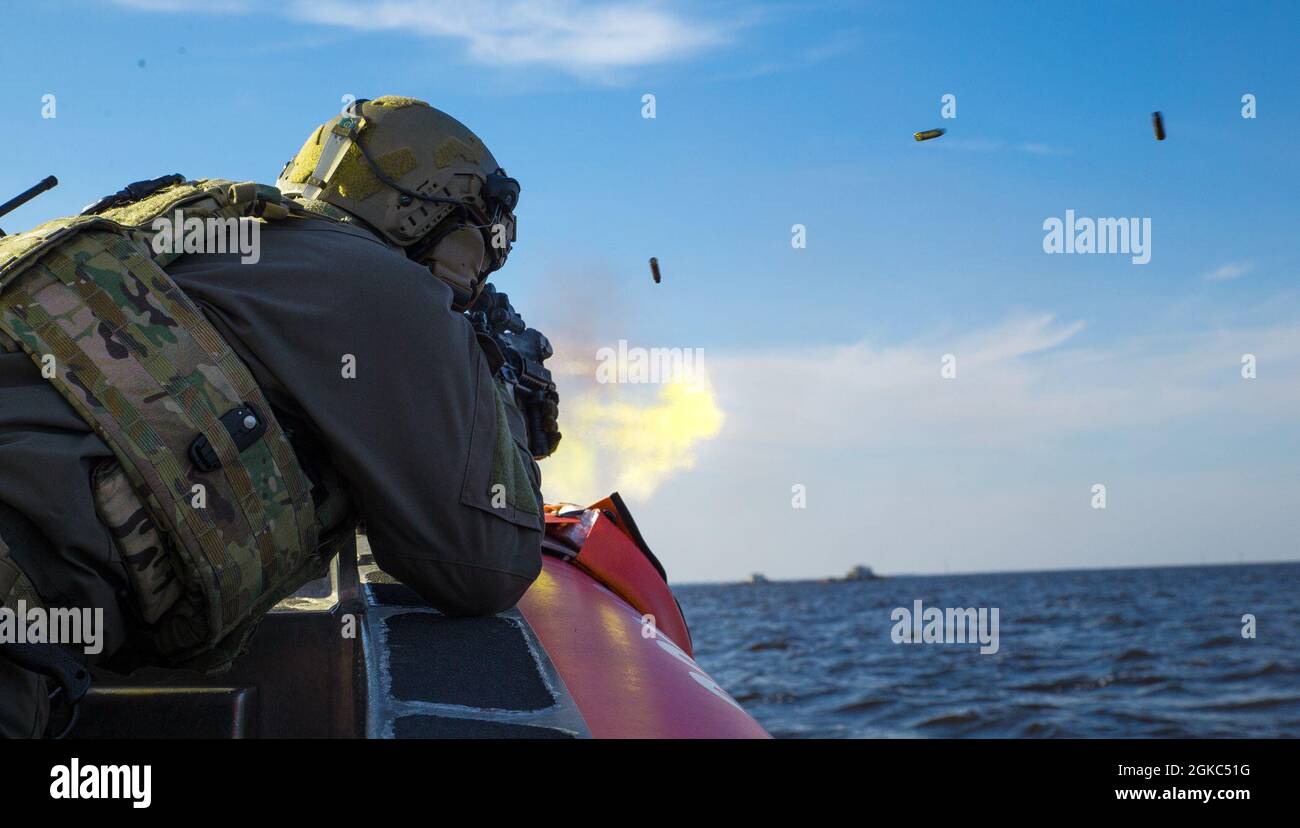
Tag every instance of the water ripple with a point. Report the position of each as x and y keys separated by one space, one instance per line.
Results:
x=1121 y=653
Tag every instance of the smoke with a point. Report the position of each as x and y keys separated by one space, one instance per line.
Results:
x=626 y=437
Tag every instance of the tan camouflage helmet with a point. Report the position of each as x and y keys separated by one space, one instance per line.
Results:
x=419 y=177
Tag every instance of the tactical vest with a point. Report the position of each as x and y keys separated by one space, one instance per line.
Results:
x=207 y=502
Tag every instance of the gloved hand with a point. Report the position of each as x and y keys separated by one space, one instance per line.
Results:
x=540 y=408
x=517 y=355
x=544 y=417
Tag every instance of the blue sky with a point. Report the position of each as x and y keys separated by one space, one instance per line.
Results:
x=824 y=361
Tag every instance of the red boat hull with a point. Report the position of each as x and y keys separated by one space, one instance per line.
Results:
x=609 y=623
x=628 y=680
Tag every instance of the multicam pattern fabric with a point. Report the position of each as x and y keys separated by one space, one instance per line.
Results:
x=136 y=358
x=150 y=564
x=14 y=585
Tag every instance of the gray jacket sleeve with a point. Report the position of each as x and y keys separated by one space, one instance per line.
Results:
x=362 y=345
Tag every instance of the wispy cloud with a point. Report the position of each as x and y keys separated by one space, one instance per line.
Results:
x=995 y=145
x=1040 y=149
x=1022 y=379
x=208 y=6
x=1232 y=270
x=581 y=37
x=908 y=471
x=838 y=45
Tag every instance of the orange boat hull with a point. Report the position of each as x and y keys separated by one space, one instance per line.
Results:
x=628 y=680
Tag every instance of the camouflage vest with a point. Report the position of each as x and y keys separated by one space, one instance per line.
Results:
x=207 y=502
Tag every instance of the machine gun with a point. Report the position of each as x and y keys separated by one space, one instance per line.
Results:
x=520 y=352
x=49 y=182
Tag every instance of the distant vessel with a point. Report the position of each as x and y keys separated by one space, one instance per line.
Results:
x=758 y=578
x=861 y=573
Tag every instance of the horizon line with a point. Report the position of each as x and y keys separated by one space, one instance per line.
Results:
x=882 y=577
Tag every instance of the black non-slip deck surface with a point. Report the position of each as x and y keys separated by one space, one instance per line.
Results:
x=475 y=662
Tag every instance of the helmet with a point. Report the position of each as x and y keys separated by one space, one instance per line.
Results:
x=418 y=177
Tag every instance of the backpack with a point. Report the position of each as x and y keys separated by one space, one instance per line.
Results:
x=195 y=440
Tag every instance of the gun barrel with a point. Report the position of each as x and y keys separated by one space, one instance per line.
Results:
x=46 y=183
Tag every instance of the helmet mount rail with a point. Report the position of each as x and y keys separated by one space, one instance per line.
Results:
x=499 y=190
x=417 y=177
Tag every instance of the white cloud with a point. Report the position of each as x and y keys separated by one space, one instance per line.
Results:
x=907 y=471
x=1014 y=382
x=574 y=35
x=1232 y=270
x=837 y=45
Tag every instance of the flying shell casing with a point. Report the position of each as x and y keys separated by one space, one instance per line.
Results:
x=1158 y=124
x=654 y=269
x=928 y=134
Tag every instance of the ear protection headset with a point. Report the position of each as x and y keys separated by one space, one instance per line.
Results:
x=449 y=246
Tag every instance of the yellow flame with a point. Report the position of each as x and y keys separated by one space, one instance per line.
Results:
x=615 y=442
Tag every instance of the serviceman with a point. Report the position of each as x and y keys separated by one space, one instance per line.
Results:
x=184 y=471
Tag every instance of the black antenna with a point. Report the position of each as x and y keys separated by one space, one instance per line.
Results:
x=49 y=182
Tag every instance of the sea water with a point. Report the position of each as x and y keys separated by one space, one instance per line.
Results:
x=1097 y=653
